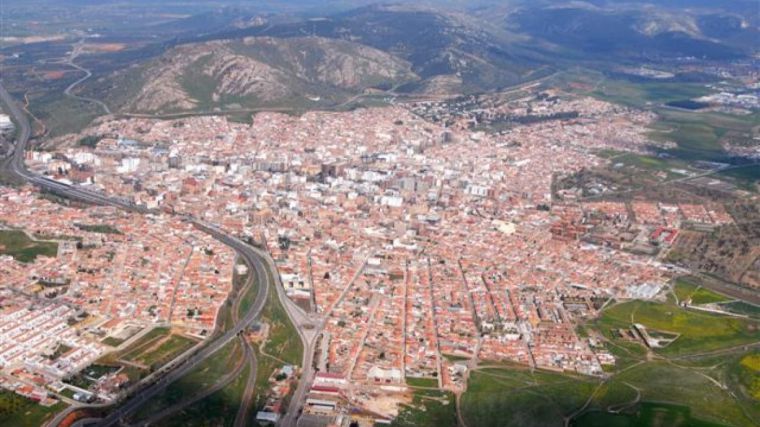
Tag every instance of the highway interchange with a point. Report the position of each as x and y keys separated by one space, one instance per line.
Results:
x=261 y=267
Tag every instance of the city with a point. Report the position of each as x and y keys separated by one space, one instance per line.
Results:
x=414 y=260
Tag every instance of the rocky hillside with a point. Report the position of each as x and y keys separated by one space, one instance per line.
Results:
x=453 y=48
x=261 y=71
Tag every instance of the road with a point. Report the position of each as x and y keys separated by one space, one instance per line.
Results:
x=259 y=264
x=241 y=418
x=223 y=382
x=75 y=52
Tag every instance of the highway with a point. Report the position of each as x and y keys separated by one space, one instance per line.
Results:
x=223 y=382
x=259 y=263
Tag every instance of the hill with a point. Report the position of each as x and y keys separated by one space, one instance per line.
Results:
x=255 y=71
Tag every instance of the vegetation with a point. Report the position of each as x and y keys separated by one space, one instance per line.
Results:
x=429 y=408
x=698 y=331
x=686 y=289
x=705 y=377
x=63 y=115
x=639 y=394
x=217 y=409
x=98 y=228
x=749 y=374
x=283 y=341
x=168 y=349
x=646 y=415
x=152 y=350
x=23 y=249
x=200 y=378
x=87 y=376
x=90 y=141
x=537 y=398
x=18 y=411
x=112 y=341
x=282 y=345
x=741 y=307
x=422 y=382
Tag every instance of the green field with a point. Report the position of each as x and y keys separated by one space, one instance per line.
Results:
x=18 y=411
x=530 y=398
x=283 y=341
x=429 y=408
x=218 y=409
x=201 y=377
x=112 y=341
x=154 y=349
x=455 y=358
x=647 y=415
x=746 y=372
x=98 y=228
x=282 y=345
x=648 y=394
x=422 y=382
x=685 y=289
x=706 y=377
x=663 y=381
x=63 y=115
x=164 y=352
x=642 y=94
x=741 y=307
x=699 y=332
x=23 y=249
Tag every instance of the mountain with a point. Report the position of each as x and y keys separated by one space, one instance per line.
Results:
x=258 y=71
x=438 y=44
x=248 y=60
x=638 y=32
x=257 y=63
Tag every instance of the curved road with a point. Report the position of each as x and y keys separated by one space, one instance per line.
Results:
x=258 y=263
x=228 y=378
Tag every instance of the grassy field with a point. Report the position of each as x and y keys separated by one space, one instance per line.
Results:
x=699 y=332
x=663 y=381
x=529 y=398
x=18 y=245
x=429 y=408
x=700 y=390
x=98 y=228
x=283 y=341
x=647 y=415
x=657 y=393
x=247 y=298
x=747 y=371
x=218 y=409
x=112 y=341
x=18 y=411
x=282 y=345
x=743 y=308
x=454 y=357
x=63 y=115
x=154 y=349
x=422 y=382
x=683 y=384
x=706 y=296
x=203 y=376
x=685 y=289
x=647 y=93
x=171 y=347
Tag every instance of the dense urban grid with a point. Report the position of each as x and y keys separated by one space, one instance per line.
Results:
x=419 y=244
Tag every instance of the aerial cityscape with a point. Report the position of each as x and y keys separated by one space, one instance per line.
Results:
x=348 y=213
